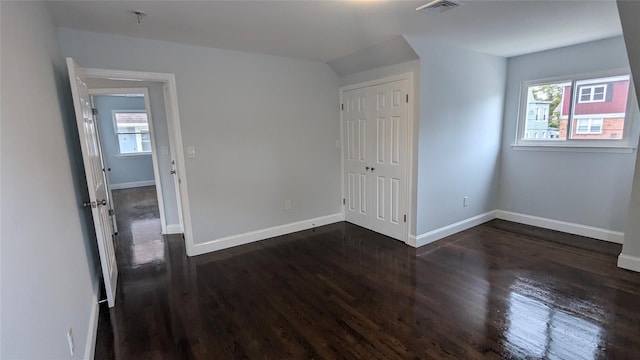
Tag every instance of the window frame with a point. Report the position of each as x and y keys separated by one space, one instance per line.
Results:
x=116 y=133
x=630 y=131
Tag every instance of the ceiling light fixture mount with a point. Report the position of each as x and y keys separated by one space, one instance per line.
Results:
x=139 y=14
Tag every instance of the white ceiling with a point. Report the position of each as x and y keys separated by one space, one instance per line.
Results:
x=328 y=30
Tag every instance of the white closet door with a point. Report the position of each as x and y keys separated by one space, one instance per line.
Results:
x=389 y=166
x=356 y=140
x=375 y=122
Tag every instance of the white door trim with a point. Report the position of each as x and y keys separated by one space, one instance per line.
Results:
x=409 y=76
x=175 y=136
x=154 y=149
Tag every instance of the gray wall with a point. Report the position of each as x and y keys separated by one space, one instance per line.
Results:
x=48 y=274
x=124 y=169
x=631 y=28
x=391 y=52
x=264 y=129
x=461 y=103
x=589 y=188
x=161 y=137
x=391 y=70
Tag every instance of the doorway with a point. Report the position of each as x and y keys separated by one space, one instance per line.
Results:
x=140 y=138
x=133 y=133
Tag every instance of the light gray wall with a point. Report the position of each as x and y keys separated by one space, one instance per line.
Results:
x=264 y=129
x=461 y=103
x=124 y=169
x=631 y=29
x=48 y=273
x=391 y=70
x=161 y=137
x=393 y=51
x=584 y=188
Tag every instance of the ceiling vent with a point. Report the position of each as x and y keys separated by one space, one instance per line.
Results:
x=438 y=6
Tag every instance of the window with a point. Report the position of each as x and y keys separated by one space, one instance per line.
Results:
x=132 y=130
x=592 y=93
x=589 y=126
x=575 y=111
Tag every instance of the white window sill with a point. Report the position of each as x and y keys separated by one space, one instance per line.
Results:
x=132 y=155
x=622 y=149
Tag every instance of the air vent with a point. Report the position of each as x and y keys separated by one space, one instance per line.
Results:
x=438 y=6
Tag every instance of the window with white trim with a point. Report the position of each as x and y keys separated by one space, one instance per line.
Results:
x=589 y=126
x=575 y=111
x=132 y=132
x=594 y=93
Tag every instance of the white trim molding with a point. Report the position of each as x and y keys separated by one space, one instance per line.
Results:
x=92 y=331
x=249 y=237
x=173 y=229
x=133 y=184
x=567 y=227
x=440 y=233
x=629 y=262
x=412 y=240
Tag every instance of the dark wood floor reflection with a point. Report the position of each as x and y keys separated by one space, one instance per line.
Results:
x=343 y=292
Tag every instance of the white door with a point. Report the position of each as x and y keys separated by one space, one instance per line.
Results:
x=93 y=165
x=376 y=157
x=356 y=182
x=106 y=172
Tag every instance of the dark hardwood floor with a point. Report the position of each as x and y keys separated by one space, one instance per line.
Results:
x=497 y=291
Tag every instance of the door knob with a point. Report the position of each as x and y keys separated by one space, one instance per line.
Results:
x=372 y=169
x=172 y=172
x=89 y=204
x=102 y=202
x=367 y=168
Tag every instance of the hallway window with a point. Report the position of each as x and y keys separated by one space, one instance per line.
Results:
x=132 y=129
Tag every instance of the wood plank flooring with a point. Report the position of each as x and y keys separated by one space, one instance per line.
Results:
x=343 y=292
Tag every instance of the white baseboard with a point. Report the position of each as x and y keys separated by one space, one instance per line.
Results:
x=173 y=229
x=571 y=228
x=629 y=262
x=241 y=239
x=92 y=333
x=412 y=240
x=133 y=184
x=437 y=234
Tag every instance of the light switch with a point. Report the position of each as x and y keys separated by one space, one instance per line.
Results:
x=191 y=152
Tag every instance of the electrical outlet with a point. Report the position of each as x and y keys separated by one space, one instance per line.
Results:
x=70 y=340
x=287 y=204
x=465 y=201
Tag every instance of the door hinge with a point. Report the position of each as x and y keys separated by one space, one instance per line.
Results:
x=344 y=201
x=407 y=98
x=405 y=218
x=342 y=107
x=112 y=212
x=94 y=111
